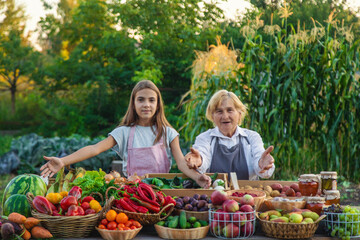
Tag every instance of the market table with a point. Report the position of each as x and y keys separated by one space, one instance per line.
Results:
x=149 y=233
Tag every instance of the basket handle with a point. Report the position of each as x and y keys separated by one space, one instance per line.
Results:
x=107 y=191
x=320 y=218
x=107 y=206
x=30 y=197
x=98 y=194
x=168 y=213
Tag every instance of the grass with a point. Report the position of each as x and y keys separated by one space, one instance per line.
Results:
x=4 y=179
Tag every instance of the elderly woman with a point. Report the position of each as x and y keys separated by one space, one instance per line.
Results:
x=228 y=147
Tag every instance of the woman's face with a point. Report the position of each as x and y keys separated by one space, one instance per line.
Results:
x=226 y=117
x=145 y=105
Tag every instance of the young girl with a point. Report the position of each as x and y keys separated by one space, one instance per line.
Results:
x=144 y=140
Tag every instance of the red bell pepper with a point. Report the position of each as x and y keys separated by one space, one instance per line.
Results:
x=66 y=202
x=89 y=211
x=87 y=199
x=42 y=205
x=85 y=205
x=75 y=211
x=76 y=192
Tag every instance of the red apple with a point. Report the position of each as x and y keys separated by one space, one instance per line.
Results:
x=247 y=199
x=222 y=217
x=218 y=197
x=247 y=229
x=239 y=218
x=230 y=206
x=216 y=228
x=231 y=231
x=246 y=208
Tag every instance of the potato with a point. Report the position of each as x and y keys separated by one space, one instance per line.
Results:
x=275 y=193
x=268 y=189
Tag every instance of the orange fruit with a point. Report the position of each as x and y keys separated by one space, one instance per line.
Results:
x=111 y=215
x=122 y=218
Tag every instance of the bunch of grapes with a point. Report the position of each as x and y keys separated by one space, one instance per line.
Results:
x=343 y=222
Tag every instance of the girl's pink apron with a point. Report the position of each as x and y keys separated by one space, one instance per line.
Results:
x=147 y=159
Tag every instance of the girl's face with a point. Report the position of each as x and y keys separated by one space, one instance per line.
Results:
x=226 y=117
x=145 y=105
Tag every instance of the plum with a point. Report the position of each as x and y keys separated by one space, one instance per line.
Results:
x=196 y=196
x=179 y=205
x=201 y=203
x=186 y=199
x=203 y=197
x=188 y=207
x=194 y=203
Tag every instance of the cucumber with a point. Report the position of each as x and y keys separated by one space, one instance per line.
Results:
x=161 y=223
x=174 y=222
x=203 y=223
x=182 y=219
x=169 y=218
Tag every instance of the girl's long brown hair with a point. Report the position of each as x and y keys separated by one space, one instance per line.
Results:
x=159 y=119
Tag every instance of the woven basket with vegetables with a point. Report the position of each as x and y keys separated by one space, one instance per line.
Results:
x=68 y=218
x=141 y=202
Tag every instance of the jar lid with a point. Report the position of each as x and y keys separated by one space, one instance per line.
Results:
x=308 y=178
x=332 y=194
x=327 y=175
x=315 y=200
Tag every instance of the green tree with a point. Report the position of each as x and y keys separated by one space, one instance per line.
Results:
x=171 y=30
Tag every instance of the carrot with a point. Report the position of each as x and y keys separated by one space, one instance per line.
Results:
x=26 y=235
x=40 y=232
x=17 y=218
x=31 y=222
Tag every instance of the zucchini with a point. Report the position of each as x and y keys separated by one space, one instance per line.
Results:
x=182 y=219
x=174 y=222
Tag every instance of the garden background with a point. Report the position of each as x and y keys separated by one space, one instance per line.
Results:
x=294 y=64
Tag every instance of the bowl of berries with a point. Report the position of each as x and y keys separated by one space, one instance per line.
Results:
x=246 y=196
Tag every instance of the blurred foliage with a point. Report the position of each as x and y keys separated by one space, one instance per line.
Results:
x=301 y=91
x=5 y=143
x=31 y=148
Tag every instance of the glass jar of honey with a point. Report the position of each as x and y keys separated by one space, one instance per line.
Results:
x=332 y=197
x=308 y=184
x=328 y=181
x=315 y=204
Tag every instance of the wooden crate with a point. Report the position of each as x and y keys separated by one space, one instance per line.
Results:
x=264 y=183
x=189 y=191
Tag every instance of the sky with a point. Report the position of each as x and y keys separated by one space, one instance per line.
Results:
x=34 y=10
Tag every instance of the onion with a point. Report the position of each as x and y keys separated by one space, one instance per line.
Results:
x=115 y=174
x=108 y=177
x=119 y=180
x=134 y=177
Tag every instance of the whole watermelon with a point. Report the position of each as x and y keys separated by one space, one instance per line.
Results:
x=17 y=203
x=23 y=184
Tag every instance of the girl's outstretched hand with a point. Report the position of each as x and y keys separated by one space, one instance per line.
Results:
x=193 y=159
x=53 y=165
x=204 y=181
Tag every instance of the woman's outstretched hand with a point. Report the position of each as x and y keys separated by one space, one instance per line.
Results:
x=204 y=181
x=53 y=165
x=266 y=161
x=193 y=159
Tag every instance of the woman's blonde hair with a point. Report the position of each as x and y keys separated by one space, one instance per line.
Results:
x=159 y=120
x=217 y=99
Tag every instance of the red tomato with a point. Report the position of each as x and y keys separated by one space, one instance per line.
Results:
x=104 y=222
x=128 y=224
x=111 y=225
x=101 y=226
x=136 y=224
x=133 y=227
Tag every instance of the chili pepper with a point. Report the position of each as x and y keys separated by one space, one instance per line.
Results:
x=169 y=199
x=117 y=204
x=145 y=198
x=148 y=205
x=147 y=188
x=160 y=198
x=130 y=189
x=75 y=191
x=87 y=199
x=126 y=206
x=138 y=208
x=124 y=193
x=42 y=205
x=66 y=202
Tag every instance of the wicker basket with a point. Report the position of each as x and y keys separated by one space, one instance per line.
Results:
x=204 y=215
x=68 y=226
x=289 y=230
x=174 y=233
x=286 y=206
x=257 y=200
x=143 y=218
x=118 y=234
